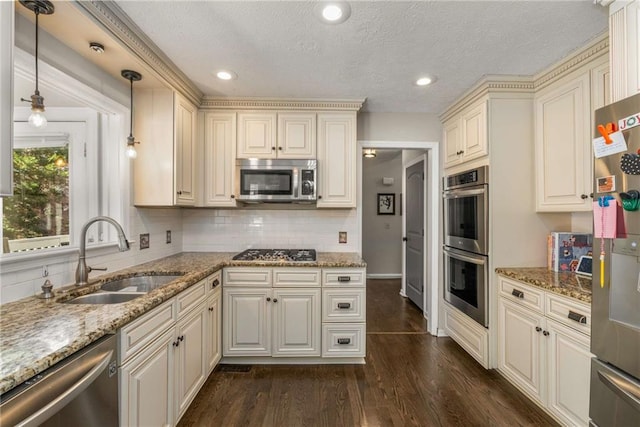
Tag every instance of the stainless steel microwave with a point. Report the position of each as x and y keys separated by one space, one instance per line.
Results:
x=266 y=180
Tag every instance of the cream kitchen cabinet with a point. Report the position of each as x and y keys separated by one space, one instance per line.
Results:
x=281 y=135
x=214 y=322
x=278 y=315
x=6 y=103
x=624 y=34
x=465 y=136
x=543 y=349
x=219 y=159
x=165 y=168
x=164 y=359
x=563 y=131
x=336 y=160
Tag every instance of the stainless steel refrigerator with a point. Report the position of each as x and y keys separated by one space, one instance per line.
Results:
x=615 y=329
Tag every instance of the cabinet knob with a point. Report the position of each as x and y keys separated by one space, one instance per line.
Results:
x=275 y=300
x=273 y=148
x=268 y=299
x=584 y=196
x=233 y=196
x=181 y=337
x=176 y=343
x=538 y=328
x=179 y=193
x=215 y=283
x=545 y=333
x=319 y=197
x=280 y=148
x=591 y=195
x=210 y=308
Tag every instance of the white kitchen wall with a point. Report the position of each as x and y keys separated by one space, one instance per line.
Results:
x=23 y=278
x=232 y=230
x=382 y=234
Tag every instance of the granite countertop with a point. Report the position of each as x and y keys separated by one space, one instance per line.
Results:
x=35 y=334
x=567 y=284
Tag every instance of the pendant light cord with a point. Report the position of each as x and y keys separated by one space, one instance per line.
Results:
x=131 y=110
x=37 y=12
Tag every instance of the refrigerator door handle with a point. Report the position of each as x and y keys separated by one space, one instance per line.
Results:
x=627 y=391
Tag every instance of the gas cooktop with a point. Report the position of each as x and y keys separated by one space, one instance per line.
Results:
x=290 y=255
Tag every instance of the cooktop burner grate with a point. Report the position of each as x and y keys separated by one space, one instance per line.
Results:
x=290 y=255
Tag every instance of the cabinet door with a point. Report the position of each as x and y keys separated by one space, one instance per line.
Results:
x=563 y=160
x=185 y=144
x=520 y=347
x=220 y=159
x=247 y=321
x=474 y=133
x=147 y=385
x=336 y=160
x=214 y=330
x=452 y=141
x=296 y=322
x=569 y=375
x=190 y=361
x=256 y=135
x=624 y=35
x=296 y=136
x=6 y=103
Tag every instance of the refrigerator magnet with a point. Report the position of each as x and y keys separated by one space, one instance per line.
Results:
x=606 y=184
x=602 y=149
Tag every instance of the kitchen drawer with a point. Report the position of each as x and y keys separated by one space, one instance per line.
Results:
x=292 y=277
x=568 y=312
x=343 y=305
x=343 y=277
x=344 y=340
x=191 y=297
x=213 y=282
x=522 y=294
x=135 y=335
x=248 y=277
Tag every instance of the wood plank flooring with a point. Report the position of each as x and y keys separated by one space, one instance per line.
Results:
x=410 y=379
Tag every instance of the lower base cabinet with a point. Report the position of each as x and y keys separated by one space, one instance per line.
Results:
x=166 y=355
x=548 y=360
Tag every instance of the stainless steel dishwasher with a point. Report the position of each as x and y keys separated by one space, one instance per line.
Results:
x=81 y=390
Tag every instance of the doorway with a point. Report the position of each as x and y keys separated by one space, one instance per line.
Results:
x=431 y=266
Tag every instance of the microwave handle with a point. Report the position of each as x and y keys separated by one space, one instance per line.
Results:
x=296 y=184
x=454 y=194
x=466 y=258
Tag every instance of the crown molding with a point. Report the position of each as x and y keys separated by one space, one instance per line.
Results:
x=597 y=48
x=213 y=103
x=112 y=19
x=514 y=86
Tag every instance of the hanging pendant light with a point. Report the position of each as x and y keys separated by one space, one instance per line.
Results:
x=132 y=76
x=37 y=118
x=369 y=153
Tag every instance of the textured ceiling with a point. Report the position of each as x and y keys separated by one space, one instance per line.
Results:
x=281 y=48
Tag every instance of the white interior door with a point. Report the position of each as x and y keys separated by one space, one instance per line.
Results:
x=414 y=233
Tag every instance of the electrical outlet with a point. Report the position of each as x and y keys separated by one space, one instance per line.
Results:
x=168 y=240
x=342 y=237
x=45 y=270
x=144 y=241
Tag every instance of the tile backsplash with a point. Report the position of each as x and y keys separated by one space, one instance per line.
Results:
x=232 y=230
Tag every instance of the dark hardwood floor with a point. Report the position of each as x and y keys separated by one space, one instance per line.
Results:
x=410 y=379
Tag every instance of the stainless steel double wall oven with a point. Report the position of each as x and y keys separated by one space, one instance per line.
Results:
x=466 y=242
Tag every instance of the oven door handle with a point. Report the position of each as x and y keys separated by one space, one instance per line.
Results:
x=462 y=257
x=627 y=391
x=454 y=194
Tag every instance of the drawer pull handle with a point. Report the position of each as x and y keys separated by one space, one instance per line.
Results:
x=343 y=341
x=344 y=305
x=344 y=278
x=580 y=318
x=518 y=294
x=215 y=283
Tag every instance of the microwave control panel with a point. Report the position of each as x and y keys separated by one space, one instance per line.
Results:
x=307 y=180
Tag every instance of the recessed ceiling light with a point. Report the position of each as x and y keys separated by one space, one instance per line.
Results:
x=96 y=47
x=424 y=81
x=335 y=12
x=226 y=75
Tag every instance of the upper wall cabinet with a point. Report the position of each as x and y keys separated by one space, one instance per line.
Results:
x=465 y=135
x=6 y=102
x=286 y=135
x=624 y=33
x=336 y=160
x=219 y=158
x=164 y=171
x=563 y=132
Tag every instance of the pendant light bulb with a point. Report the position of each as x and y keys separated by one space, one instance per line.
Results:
x=131 y=151
x=37 y=119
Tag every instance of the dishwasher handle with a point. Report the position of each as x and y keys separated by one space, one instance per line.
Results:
x=68 y=395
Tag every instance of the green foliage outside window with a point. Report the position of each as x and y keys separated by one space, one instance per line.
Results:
x=40 y=202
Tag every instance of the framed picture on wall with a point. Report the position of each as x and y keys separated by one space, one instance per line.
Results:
x=386 y=203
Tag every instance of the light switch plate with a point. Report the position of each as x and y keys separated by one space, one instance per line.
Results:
x=342 y=237
x=144 y=241
x=168 y=237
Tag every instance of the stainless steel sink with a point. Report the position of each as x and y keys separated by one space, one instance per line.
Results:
x=139 y=283
x=104 y=298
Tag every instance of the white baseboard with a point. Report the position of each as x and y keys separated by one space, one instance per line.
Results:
x=385 y=276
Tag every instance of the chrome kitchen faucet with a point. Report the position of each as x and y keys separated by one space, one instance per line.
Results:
x=82 y=271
